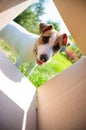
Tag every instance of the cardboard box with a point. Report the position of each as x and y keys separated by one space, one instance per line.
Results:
x=17 y=98
x=61 y=101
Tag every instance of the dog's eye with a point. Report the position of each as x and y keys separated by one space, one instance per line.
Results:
x=56 y=47
x=45 y=39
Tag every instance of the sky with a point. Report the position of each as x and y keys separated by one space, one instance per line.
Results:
x=53 y=14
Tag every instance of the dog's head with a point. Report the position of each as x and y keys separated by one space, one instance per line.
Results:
x=49 y=43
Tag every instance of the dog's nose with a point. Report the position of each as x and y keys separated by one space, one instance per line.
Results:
x=44 y=58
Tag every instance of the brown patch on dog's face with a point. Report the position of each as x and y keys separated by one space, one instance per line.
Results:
x=45 y=27
x=51 y=34
x=56 y=45
x=44 y=37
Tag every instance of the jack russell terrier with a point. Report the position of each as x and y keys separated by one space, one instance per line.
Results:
x=32 y=47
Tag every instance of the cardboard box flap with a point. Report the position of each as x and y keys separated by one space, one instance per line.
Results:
x=74 y=15
x=10 y=9
x=17 y=98
x=61 y=101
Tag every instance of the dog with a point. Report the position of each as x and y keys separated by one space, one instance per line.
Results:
x=31 y=47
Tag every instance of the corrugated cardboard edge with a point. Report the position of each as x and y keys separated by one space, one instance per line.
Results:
x=14 y=9
x=73 y=13
x=61 y=101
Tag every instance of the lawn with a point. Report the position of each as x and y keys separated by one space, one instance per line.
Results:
x=40 y=75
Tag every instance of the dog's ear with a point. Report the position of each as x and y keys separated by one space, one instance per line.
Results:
x=45 y=27
x=64 y=39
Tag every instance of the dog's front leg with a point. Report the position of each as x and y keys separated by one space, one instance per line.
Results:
x=31 y=68
x=19 y=61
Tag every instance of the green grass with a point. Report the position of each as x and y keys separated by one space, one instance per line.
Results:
x=11 y=54
x=40 y=75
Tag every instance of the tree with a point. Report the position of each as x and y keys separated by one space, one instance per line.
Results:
x=38 y=9
x=30 y=18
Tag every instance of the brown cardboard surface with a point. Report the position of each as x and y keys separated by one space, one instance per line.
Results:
x=61 y=101
x=9 y=9
x=6 y=4
x=73 y=13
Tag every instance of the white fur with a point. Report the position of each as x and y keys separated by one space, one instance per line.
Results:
x=21 y=40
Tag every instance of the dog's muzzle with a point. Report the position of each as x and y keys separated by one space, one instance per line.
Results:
x=44 y=58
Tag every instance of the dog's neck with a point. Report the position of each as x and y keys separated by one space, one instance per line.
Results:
x=35 y=48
